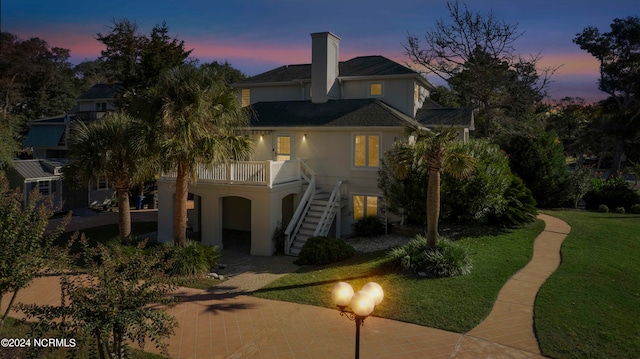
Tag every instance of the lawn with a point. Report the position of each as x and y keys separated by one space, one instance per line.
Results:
x=590 y=307
x=455 y=304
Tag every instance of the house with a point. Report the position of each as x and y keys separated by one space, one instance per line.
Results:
x=49 y=138
x=45 y=175
x=319 y=131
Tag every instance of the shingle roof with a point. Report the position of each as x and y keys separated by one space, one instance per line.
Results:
x=454 y=117
x=100 y=91
x=358 y=66
x=333 y=113
x=35 y=169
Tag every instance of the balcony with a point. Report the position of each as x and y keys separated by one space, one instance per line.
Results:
x=253 y=173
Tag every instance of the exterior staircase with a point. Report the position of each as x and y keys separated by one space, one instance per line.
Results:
x=310 y=221
x=314 y=216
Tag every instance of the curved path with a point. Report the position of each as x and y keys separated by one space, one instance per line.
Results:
x=229 y=323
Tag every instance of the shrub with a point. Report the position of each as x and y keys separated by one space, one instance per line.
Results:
x=520 y=208
x=191 y=259
x=613 y=193
x=538 y=158
x=479 y=196
x=635 y=209
x=619 y=210
x=368 y=227
x=324 y=250
x=446 y=260
x=603 y=208
x=403 y=184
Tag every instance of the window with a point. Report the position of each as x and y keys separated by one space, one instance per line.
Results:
x=245 y=97
x=101 y=106
x=366 y=151
x=375 y=89
x=416 y=93
x=44 y=187
x=364 y=206
x=101 y=184
x=283 y=147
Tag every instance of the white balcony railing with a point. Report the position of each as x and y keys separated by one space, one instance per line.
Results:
x=257 y=173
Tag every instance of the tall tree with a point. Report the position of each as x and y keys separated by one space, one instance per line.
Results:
x=433 y=151
x=475 y=54
x=137 y=60
x=618 y=52
x=229 y=73
x=199 y=114
x=113 y=148
x=36 y=80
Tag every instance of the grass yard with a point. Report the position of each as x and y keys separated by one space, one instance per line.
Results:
x=590 y=307
x=455 y=304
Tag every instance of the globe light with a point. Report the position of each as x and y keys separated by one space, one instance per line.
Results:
x=362 y=303
x=341 y=294
x=375 y=290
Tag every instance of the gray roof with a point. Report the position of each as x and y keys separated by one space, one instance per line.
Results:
x=353 y=113
x=36 y=169
x=445 y=117
x=333 y=113
x=100 y=91
x=358 y=66
x=45 y=135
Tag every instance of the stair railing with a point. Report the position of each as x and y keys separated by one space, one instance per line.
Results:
x=298 y=216
x=329 y=212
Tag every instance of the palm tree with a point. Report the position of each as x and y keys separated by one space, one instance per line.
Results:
x=432 y=150
x=112 y=147
x=198 y=116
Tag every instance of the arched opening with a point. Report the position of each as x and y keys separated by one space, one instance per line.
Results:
x=236 y=224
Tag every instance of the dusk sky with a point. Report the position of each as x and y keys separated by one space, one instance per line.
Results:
x=256 y=36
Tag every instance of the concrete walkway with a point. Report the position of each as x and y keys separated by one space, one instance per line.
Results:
x=226 y=322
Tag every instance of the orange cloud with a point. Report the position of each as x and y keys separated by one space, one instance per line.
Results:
x=571 y=63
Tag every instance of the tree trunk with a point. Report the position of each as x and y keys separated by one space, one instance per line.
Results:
x=618 y=151
x=433 y=207
x=124 y=213
x=180 y=206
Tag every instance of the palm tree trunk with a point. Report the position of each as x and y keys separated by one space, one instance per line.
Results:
x=124 y=213
x=433 y=207
x=180 y=207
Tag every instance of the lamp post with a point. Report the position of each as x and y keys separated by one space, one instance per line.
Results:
x=362 y=304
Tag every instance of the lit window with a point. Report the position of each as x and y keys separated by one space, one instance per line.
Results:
x=416 y=93
x=375 y=89
x=366 y=151
x=283 y=148
x=44 y=187
x=246 y=97
x=364 y=206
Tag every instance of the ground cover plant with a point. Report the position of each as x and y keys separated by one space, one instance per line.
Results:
x=457 y=304
x=588 y=308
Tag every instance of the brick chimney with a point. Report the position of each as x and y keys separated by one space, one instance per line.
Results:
x=324 y=66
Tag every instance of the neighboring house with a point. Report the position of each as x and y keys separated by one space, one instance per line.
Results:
x=49 y=139
x=45 y=175
x=320 y=131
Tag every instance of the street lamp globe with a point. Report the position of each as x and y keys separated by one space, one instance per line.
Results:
x=375 y=290
x=341 y=294
x=362 y=303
